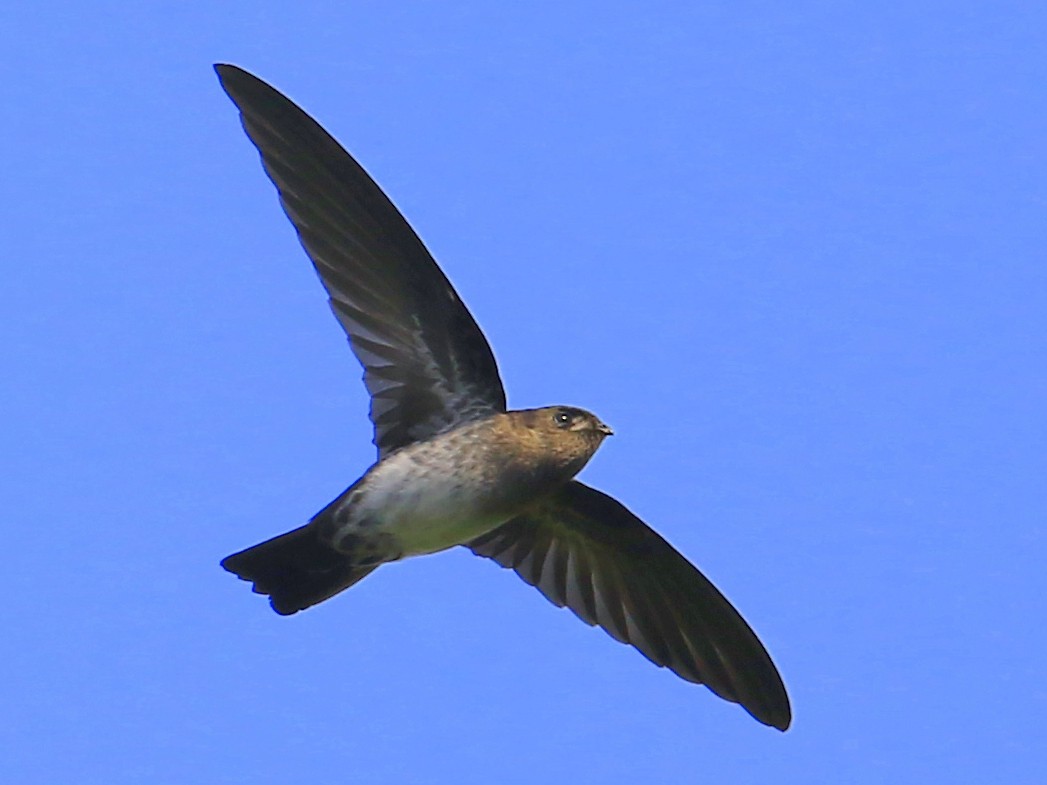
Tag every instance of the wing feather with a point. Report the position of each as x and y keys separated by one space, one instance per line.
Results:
x=427 y=365
x=586 y=551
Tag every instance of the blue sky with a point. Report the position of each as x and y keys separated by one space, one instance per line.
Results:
x=792 y=253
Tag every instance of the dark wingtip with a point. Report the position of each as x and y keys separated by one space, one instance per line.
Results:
x=228 y=74
x=780 y=719
x=772 y=708
x=779 y=710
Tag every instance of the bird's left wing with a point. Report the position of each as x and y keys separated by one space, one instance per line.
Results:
x=583 y=549
x=426 y=364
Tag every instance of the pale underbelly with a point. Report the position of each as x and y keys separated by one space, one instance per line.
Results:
x=417 y=535
x=421 y=517
x=432 y=496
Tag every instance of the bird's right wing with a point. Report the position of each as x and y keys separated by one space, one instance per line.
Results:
x=426 y=364
x=583 y=549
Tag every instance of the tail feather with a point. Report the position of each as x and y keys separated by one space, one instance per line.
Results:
x=296 y=570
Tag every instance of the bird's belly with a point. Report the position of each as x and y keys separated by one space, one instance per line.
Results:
x=426 y=526
x=424 y=511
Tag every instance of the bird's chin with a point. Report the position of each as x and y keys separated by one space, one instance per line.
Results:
x=595 y=439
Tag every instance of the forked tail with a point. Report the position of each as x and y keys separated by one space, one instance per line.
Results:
x=296 y=570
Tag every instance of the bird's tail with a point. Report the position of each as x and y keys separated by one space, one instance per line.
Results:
x=296 y=570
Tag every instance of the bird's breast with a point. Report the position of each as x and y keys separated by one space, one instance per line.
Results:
x=433 y=495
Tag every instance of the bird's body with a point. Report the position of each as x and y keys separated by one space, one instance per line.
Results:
x=455 y=466
x=452 y=488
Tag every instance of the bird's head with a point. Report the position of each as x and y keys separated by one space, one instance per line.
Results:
x=566 y=436
x=573 y=420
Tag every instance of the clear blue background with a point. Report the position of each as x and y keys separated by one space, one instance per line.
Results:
x=793 y=252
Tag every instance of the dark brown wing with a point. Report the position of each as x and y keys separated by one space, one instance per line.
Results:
x=585 y=550
x=426 y=364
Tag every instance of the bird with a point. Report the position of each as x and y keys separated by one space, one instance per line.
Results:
x=456 y=467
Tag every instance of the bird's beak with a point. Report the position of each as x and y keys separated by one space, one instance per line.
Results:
x=604 y=429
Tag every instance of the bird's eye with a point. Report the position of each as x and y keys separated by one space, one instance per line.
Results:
x=562 y=418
